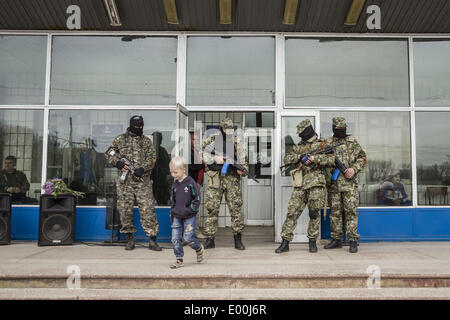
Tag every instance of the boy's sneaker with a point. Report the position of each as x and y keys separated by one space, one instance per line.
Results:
x=199 y=255
x=177 y=264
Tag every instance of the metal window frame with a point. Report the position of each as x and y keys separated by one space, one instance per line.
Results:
x=280 y=84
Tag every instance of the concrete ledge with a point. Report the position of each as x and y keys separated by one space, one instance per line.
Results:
x=227 y=294
x=227 y=281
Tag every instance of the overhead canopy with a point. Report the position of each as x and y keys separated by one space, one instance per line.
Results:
x=397 y=16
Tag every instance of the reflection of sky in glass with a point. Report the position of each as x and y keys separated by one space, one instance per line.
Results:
x=230 y=71
x=108 y=70
x=432 y=137
x=346 y=72
x=22 y=69
x=432 y=73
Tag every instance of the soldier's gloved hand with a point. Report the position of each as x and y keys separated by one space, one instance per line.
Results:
x=120 y=165
x=139 y=172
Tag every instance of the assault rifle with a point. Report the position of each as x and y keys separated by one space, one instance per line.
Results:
x=229 y=163
x=340 y=167
x=304 y=157
x=124 y=175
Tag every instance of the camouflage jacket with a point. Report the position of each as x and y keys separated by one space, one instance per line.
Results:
x=313 y=174
x=138 y=150
x=352 y=156
x=239 y=150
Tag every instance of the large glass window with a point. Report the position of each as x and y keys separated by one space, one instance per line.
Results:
x=432 y=72
x=385 y=137
x=22 y=69
x=119 y=70
x=230 y=71
x=21 y=154
x=78 y=140
x=346 y=72
x=433 y=157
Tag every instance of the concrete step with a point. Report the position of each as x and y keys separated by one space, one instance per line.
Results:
x=227 y=281
x=227 y=294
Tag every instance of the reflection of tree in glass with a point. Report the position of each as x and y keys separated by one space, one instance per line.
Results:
x=434 y=174
x=378 y=170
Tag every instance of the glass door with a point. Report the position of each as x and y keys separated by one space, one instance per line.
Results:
x=258 y=196
x=287 y=137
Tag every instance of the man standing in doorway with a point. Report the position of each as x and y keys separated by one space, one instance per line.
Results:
x=309 y=185
x=138 y=149
x=217 y=150
x=343 y=191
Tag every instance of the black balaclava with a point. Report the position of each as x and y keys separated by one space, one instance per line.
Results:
x=339 y=132
x=137 y=121
x=307 y=134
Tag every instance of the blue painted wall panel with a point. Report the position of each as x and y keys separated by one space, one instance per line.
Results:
x=432 y=223
x=89 y=224
x=375 y=224
x=24 y=223
x=399 y=224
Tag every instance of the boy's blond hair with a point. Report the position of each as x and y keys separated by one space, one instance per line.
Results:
x=177 y=162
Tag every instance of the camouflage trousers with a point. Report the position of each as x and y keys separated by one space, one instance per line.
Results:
x=125 y=202
x=231 y=186
x=347 y=201
x=315 y=199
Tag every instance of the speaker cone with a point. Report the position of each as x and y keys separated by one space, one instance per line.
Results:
x=56 y=228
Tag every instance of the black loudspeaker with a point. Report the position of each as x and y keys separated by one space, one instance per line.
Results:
x=5 y=218
x=56 y=220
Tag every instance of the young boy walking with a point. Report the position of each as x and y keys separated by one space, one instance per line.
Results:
x=185 y=205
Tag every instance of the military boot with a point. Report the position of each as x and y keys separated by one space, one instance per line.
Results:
x=130 y=244
x=152 y=245
x=335 y=243
x=353 y=246
x=284 y=247
x=209 y=243
x=237 y=242
x=312 y=245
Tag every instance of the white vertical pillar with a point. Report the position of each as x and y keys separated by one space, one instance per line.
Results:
x=46 y=111
x=413 y=122
x=181 y=69
x=279 y=102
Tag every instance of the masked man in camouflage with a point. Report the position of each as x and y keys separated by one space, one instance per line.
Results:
x=343 y=192
x=139 y=151
x=309 y=185
x=216 y=150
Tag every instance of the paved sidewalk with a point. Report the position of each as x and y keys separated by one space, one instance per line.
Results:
x=402 y=259
x=26 y=258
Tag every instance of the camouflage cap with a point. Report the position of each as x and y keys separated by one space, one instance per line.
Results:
x=226 y=123
x=303 y=125
x=339 y=122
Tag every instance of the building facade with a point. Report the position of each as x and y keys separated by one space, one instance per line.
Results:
x=64 y=95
